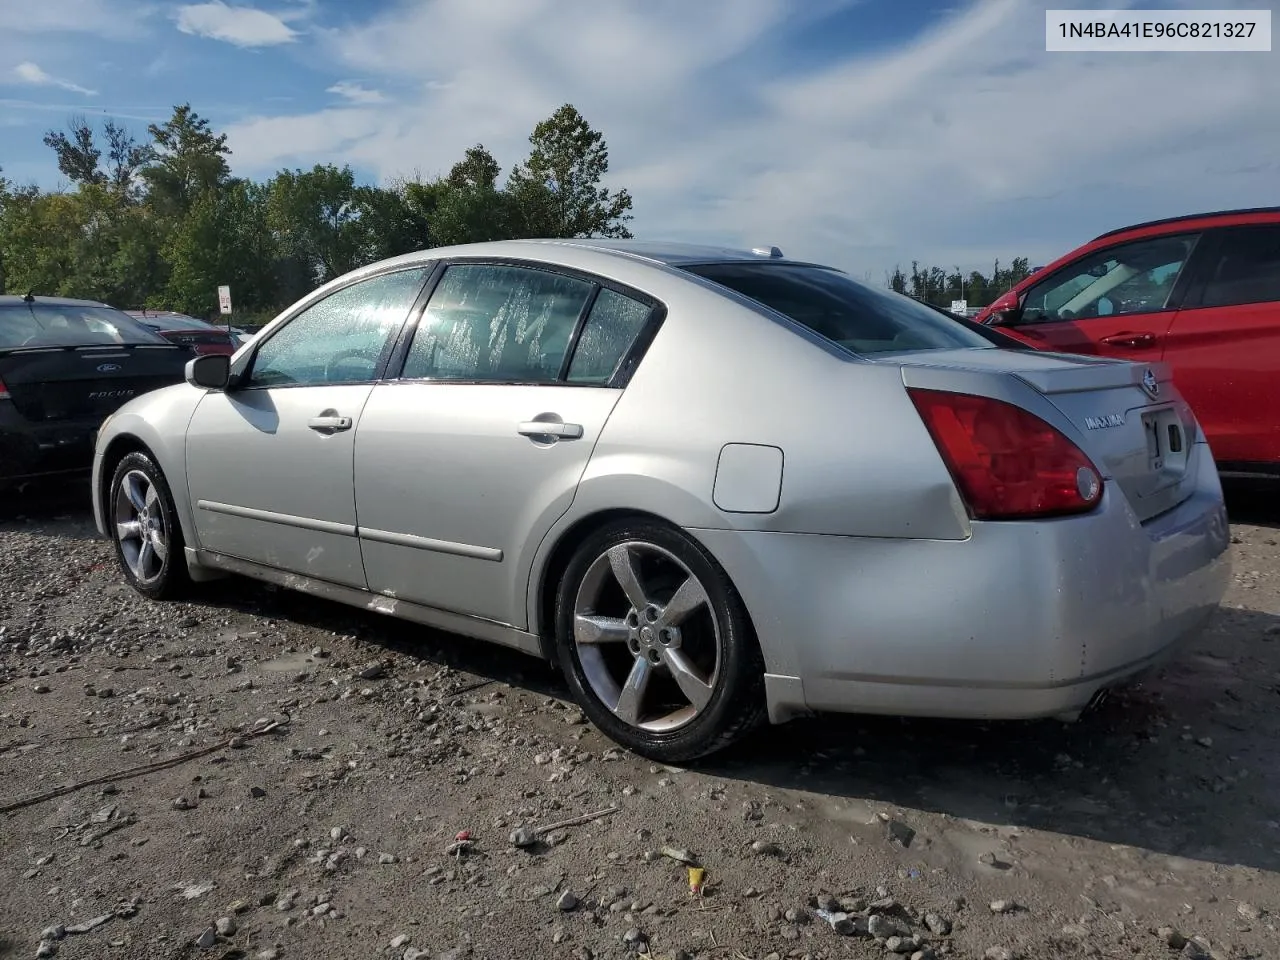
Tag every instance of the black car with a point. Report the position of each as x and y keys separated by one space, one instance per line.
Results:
x=64 y=366
x=201 y=336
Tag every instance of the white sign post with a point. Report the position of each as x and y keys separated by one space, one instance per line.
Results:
x=224 y=299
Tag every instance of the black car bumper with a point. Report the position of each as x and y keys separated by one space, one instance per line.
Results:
x=30 y=450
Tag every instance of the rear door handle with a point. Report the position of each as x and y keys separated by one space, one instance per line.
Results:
x=550 y=428
x=1130 y=340
x=329 y=424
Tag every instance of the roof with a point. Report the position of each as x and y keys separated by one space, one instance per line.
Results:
x=1211 y=215
x=14 y=301
x=670 y=252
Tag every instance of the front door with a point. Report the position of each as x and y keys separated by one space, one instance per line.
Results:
x=1115 y=302
x=465 y=462
x=269 y=461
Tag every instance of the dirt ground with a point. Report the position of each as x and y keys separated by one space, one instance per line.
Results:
x=312 y=767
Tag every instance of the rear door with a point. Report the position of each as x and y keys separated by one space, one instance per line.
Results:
x=1224 y=344
x=464 y=463
x=1116 y=302
x=269 y=461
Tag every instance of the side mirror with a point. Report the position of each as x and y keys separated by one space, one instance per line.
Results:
x=209 y=372
x=1005 y=311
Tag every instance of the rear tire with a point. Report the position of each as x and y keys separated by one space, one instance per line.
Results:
x=656 y=643
x=142 y=522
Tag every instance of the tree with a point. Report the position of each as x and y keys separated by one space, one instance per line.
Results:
x=189 y=159
x=125 y=156
x=556 y=191
x=78 y=155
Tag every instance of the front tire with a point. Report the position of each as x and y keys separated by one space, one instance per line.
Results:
x=144 y=528
x=656 y=642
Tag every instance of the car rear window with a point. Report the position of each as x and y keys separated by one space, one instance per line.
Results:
x=56 y=325
x=835 y=306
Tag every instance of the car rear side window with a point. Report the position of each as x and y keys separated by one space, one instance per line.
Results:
x=342 y=338
x=1246 y=268
x=497 y=323
x=612 y=327
x=835 y=306
x=59 y=325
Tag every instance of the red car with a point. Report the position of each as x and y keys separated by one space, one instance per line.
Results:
x=179 y=328
x=1200 y=293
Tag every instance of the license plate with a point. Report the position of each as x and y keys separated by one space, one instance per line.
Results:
x=1166 y=441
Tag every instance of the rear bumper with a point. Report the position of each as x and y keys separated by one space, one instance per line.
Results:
x=1020 y=620
x=30 y=450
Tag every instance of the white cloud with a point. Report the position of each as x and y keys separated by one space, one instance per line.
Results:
x=241 y=26
x=965 y=143
x=30 y=73
x=356 y=93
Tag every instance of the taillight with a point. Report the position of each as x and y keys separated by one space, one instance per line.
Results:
x=4 y=391
x=1008 y=463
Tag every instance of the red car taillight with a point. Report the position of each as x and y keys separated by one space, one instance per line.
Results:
x=4 y=391
x=1008 y=463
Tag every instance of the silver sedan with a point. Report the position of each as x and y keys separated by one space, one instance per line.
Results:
x=714 y=486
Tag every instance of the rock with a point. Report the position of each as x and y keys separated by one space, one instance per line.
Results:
x=372 y=671
x=257 y=793
x=764 y=848
x=55 y=932
x=207 y=939
x=225 y=926
x=901 y=944
x=182 y=803
x=634 y=937
x=568 y=901
x=89 y=925
x=938 y=925
x=271 y=953
x=1248 y=911
x=47 y=948
x=1195 y=951
x=925 y=954
x=999 y=953
x=899 y=833
x=523 y=837
x=882 y=927
x=40 y=688
x=796 y=916
x=988 y=859
x=680 y=855
x=413 y=953
x=337 y=833
x=400 y=941
x=1003 y=906
x=1172 y=938
x=840 y=922
x=385 y=858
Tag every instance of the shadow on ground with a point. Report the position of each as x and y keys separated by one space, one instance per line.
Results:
x=1182 y=764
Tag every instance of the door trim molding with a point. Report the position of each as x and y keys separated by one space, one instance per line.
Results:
x=284 y=519
x=472 y=551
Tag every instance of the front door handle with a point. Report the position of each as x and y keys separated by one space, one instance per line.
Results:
x=1130 y=340
x=550 y=428
x=329 y=424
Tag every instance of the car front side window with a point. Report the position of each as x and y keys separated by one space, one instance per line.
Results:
x=342 y=338
x=497 y=323
x=1128 y=279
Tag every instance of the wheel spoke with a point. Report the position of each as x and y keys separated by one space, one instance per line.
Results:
x=151 y=497
x=159 y=546
x=691 y=685
x=631 y=699
x=128 y=530
x=688 y=598
x=623 y=562
x=133 y=489
x=590 y=629
x=143 y=563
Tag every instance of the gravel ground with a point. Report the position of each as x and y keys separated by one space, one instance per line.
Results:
x=267 y=775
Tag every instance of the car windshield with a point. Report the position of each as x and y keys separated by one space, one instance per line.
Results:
x=838 y=308
x=60 y=325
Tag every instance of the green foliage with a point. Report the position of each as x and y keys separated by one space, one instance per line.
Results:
x=162 y=223
x=939 y=287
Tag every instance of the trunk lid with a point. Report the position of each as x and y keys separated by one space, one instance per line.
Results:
x=201 y=341
x=1130 y=419
x=74 y=382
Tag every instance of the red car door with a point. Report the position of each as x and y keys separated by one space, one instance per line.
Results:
x=1117 y=301
x=1224 y=346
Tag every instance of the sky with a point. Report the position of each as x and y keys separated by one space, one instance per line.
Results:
x=859 y=133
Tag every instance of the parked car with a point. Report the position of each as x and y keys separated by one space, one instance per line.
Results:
x=711 y=485
x=201 y=336
x=64 y=366
x=1201 y=293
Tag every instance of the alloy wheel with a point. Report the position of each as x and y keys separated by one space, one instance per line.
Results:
x=140 y=526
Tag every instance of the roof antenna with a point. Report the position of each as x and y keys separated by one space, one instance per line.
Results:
x=29 y=297
x=771 y=252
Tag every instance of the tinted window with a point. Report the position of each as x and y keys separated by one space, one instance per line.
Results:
x=45 y=325
x=1130 y=278
x=509 y=324
x=833 y=305
x=1246 y=268
x=342 y=338
x=612 y=327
